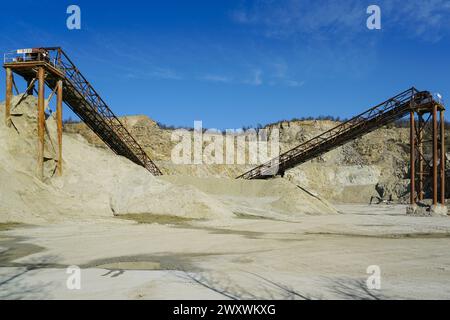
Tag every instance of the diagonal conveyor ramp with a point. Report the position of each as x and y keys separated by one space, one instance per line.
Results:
x=376 y=117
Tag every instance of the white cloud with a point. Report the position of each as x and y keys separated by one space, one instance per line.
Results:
x=331 y=19
x=164 y=73
x=424 y=19
x=149 y=73
x=255 y=79
x=216 y=78
x=296 y=84
x=287 y=18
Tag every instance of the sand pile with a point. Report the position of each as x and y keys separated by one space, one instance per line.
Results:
x=98 y=183
x=264 y=198
x=95 y=183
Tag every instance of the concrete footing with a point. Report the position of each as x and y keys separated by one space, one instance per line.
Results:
x=439 y=210
x=426 y=210
x=411 y=209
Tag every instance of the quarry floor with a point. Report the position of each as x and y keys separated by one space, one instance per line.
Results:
x=319 y=257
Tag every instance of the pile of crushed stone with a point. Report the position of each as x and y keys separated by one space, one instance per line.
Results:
x=96 y=183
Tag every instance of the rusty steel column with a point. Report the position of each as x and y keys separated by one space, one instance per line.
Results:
x=59 y=99
x=412 y=157
x=435 y=155
x=420 y=192
x=9 y=93
x=41 y=123
x=442 y=160
x=30 y=87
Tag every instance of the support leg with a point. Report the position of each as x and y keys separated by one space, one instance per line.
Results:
x=41 y=123
x=30 y=86
x=412 y=158
x=59 y=99
x=420 y=191
x=442 y=160
x=9 y=93
x=435 y=156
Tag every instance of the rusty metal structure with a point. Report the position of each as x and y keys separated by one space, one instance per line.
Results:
x=410 y=102
x=427 y=131
x=52 y=67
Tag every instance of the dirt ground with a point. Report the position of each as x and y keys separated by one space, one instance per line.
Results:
x=316 y=257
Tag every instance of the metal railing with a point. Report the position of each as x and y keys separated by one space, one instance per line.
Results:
x=27 y=55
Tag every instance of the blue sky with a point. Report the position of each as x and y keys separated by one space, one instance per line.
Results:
x=233 y=63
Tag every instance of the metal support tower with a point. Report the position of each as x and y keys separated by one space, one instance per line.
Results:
x=410 y=102
x=39 y=75
x=427 y=136
x=52 y=67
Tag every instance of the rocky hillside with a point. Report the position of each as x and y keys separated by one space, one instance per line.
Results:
x=97 y=184
x=374 y=167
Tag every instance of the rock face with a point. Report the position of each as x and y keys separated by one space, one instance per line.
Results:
x=372 y=168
